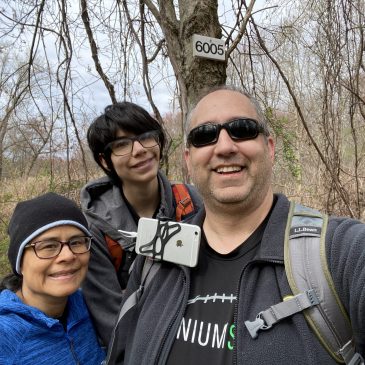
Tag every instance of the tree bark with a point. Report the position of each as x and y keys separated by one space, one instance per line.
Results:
x=194 y=17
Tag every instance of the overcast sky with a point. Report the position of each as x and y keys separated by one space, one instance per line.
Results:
x=163 y=91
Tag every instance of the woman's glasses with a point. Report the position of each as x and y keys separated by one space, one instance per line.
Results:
x=124 y=145
x=240 y=129
x=48 y=249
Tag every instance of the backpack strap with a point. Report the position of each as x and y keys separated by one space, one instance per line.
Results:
x=115 y=250
x=184 y=203
x=149 y=270
x=306 y=267
x=267 y=318
x=313 y=288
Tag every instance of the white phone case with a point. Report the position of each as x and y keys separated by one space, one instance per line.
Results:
x=168 y=241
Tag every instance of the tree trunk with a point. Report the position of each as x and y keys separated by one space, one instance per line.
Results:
x=196 y=17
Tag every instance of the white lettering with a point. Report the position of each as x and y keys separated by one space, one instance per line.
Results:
x=207 y=332
x=219 y=339
x=185 y=330
x=304 y=229
x=193 y=336
x=200 y=333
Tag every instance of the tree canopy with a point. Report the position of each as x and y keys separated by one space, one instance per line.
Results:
x=62 y=61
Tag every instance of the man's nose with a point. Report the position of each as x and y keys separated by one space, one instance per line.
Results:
x=225 y=144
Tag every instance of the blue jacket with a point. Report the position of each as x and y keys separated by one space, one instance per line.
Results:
x=29 y=337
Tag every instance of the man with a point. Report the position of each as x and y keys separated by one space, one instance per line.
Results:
x=195 y=316
x=127 y=143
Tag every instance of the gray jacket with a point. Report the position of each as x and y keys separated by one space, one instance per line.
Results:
x=146 y=333
x=107 y=212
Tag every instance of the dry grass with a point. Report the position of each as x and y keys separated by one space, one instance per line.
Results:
x=311 y=190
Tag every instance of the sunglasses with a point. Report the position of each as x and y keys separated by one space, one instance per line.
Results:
x=240 y=129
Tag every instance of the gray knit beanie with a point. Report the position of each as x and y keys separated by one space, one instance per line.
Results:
x=35 y=216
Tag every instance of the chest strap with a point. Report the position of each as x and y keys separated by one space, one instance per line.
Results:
x=267 y=318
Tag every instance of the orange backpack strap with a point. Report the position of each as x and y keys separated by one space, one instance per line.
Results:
x=116 y=252
x=184 y=204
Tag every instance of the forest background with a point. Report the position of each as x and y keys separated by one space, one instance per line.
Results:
x=62 y=62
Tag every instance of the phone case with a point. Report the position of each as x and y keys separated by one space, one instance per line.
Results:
x=168 y=241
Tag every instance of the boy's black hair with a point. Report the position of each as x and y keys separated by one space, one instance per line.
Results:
x=127 y=116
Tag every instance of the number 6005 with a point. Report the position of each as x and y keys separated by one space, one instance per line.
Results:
x=209 y=48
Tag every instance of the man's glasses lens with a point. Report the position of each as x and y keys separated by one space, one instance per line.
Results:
x=204 y=135
x=51 y=248
x=242 y=129
x=124 y=145
x=238 y=129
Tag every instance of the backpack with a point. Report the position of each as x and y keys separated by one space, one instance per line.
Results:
x=313 y=288
x=123 y=258
x=309 y=279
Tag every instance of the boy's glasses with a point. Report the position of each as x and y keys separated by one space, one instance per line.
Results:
x=240 y=129
x=124 y=145
x=48 y=249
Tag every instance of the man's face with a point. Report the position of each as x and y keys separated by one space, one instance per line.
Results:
x=230 y=172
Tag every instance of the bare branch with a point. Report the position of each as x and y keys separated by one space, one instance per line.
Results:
x=158 y=49
x=335 y=178
x=94 y=51
x=152 y=8
x=242 y=29
x=35 y=36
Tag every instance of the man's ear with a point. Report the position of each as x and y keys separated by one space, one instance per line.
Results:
x=187 y=159
x=103 y=162
x=271 y=145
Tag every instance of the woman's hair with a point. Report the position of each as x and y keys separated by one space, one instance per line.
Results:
x=125 y=116
x=12 y=282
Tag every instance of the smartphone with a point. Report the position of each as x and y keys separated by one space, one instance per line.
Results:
x=168 y=241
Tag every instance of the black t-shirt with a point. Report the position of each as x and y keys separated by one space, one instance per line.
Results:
x=134 y=214
x=206 y=333
x=63 y=318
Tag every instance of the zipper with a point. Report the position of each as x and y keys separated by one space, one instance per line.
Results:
x=167 y=340
x=73 y=352
x=235 y=313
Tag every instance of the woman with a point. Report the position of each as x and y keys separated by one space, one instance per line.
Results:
x=127 y=143
x=43 y=317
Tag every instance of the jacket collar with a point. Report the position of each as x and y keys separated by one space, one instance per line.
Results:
x=272 y=244
x=10 y=303
x=103 y=203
